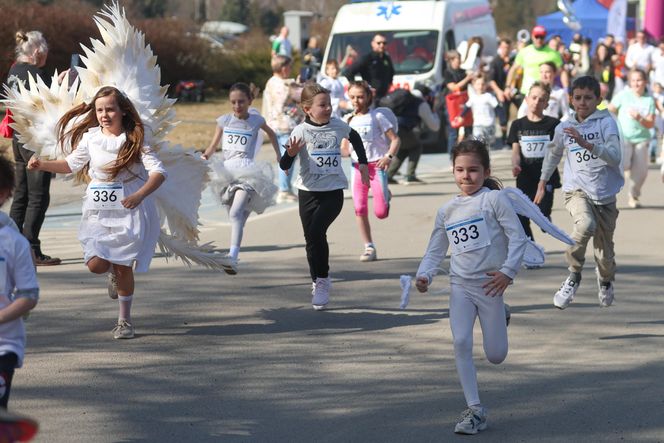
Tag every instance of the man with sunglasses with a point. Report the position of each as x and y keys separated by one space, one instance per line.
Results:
x=529 y=60
x=375 y=67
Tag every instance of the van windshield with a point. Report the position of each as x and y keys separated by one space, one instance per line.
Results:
x=412 y=52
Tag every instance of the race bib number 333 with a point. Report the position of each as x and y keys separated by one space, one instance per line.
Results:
x=106 y=195
x=468 y=235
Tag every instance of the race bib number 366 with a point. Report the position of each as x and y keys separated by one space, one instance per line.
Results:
x=468 y=235
x=105 y=195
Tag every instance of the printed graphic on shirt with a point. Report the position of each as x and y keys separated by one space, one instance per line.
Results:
x=105 y=195
x=324 y=154
x=468 y=234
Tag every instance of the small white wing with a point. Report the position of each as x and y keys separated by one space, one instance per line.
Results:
x=389 y=115
x=524 y=206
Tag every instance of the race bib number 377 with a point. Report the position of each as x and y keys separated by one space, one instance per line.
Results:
x=468 y=235
x=106 y=195
x=533 y=146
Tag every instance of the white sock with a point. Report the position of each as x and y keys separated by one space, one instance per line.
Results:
x=125 y=307
x=234 y=252
x=369 y=245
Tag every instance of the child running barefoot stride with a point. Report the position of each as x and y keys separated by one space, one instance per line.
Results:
x=381 y=144
x=243 y=184
x=591 y=179
x=19 y=290
x=321 y=180
x=120 y=224
x=487 y=245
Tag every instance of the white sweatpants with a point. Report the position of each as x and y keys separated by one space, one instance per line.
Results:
x=466 y=303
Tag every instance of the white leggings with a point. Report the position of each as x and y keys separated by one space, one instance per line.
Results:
x=466 y=303
x=238 y=215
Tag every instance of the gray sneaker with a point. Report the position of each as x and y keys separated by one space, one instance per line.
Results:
x=123 y=329
x=321 y=293
x=472 y=421
x=112 y=286
x=605 y=293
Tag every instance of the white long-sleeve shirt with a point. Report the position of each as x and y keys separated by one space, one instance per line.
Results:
x=484 y=235
x=598 y=173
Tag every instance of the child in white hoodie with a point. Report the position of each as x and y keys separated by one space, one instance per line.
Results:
x=591 y=179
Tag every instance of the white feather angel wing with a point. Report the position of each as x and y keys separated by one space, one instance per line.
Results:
x=36 y=110
x=179 y=197
x=389 y=115
x=122 y=59
x=524 y=206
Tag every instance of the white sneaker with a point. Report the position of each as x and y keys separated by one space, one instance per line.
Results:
x=605 y=293
x=472 y=421
x=321 y=293
x=286 y=197
x=565 y=294
x=633 y=202
x=231 y=267
x=369 y=254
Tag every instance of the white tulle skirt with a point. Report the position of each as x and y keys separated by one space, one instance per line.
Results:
x=255 y=177
x=124 y=236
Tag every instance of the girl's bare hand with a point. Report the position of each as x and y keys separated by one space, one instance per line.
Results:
x=34 y=162
x=294 y=146
x=133 y=200
x=497 y=285
x=422 y=284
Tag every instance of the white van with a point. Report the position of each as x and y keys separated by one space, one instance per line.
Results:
x=418 y=34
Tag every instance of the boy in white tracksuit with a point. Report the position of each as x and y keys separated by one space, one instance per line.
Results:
x=592 y=177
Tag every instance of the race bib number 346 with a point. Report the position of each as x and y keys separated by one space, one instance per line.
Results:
x=106 y=195
x=325 y=162
x=468 y=235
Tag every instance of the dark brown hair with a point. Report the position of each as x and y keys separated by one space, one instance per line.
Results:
x=7 y=169
x=479 y=149
x=363 y=84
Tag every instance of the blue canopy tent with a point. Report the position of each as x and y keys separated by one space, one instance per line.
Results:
x=591 y=15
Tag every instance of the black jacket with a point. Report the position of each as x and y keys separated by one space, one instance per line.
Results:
x=377 y=70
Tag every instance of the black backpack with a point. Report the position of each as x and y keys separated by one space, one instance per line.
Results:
x=405 y=106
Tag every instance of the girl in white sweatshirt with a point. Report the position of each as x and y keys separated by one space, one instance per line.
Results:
x=487 y=244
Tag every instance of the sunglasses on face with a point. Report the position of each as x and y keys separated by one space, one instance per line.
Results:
x=383 y=42
x=539 y=37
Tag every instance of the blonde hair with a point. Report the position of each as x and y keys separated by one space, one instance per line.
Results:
x=279 y=62
x=311 y=90
x=27 y=43
x=130 y=152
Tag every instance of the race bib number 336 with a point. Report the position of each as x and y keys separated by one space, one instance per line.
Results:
x=106 y=195
x=468 y=235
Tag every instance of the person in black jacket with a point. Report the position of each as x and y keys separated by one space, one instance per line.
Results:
x=375 y=67
x=31 y=197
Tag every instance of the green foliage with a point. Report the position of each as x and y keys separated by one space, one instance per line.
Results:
x=235 y=11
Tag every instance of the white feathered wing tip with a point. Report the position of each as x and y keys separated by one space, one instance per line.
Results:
x=36 y=110
x=123 y=60
x=178 y=200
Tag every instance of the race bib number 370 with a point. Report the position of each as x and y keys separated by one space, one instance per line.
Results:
x=236 y=140
x=468 y=235
x=105 y=195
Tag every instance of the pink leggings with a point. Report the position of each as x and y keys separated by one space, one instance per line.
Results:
x=379 y=191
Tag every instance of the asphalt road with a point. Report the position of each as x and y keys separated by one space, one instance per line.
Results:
x=246 y=359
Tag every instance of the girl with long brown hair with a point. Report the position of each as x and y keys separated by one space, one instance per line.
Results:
x=120 y=224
